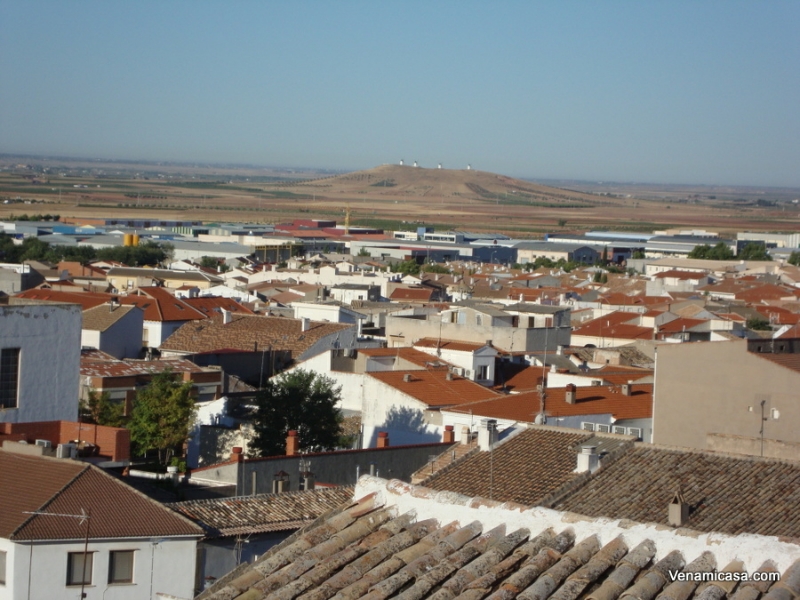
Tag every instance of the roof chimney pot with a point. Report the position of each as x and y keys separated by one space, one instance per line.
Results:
x=678 y=511
x=383 y=439
x=292 y=443
x=588 y=460
x=569 y=396
x=487 y=434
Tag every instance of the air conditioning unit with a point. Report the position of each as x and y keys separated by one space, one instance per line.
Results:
x=635 y=431
x=67 y=451
x=587 y=426
x=619 y=429
x=44 y=443
x=603 y=428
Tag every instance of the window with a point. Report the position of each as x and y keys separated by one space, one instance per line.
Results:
x=635 y=431
x=483 y=372
x=76 y=573
x=120 y=566
x=2 y=567
x=9 y=377
x=587 y=426
x=603 y=429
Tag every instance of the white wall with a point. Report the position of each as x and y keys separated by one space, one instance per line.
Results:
x=49 y=336
x=167 y=567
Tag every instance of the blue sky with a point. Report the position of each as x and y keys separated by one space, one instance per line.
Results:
x=672 y=92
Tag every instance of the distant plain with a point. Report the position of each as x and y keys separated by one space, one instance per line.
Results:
x=388 y=196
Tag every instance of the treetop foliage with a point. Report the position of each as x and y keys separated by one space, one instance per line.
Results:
x=298 y=400
x=162 y=416
x=147 y=253
x=720 y=251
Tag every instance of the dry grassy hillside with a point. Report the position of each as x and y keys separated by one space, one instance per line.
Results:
x=388 y=196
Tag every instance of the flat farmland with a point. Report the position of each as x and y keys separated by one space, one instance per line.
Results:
x=388 y=196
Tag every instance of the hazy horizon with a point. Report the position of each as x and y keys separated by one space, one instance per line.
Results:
x=679 y=93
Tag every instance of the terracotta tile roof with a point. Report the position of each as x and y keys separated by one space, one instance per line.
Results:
x=209 y=305
x=524 y=469
x=33 y=483
x=376 y=550
x=620 y=299
x=788 y=361
x=432 y=387
x=683 y=275
x=85 y=299
x=286 y=297
x=589 y=400
x=159 y=305
x=248 y=332
x=726 y=493
x=448 y=344
x=164 y=274
x=412 y=355
x=244 y=515
x=94 y=367
x=603 y=328
x=680 y=324
x=519 y=378
x=411 y=294
x=767 y=292
x=104 y=316
x=778 y=315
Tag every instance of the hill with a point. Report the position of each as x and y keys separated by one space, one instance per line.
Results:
x=396 y=181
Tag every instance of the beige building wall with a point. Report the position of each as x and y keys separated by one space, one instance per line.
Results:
x=708 y=395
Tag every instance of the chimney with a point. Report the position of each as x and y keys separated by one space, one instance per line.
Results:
x=588 y=460
x=569 y=396
x=407 y=377
x=449 y=436
x=560 y=350
x=626 y=389
x=487 y=434
x=292 y=443
x=307 y=481
x=465 y=435
x=280 y=482
x=227 y=316
x=678 y=512
x=383 y=439
x=449 y=376
x=305 y=324
x=236 y=454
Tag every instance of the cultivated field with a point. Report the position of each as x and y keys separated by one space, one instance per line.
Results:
x=389 y=196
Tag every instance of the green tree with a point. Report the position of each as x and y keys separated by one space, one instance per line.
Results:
x=98 y=408
x=162 y=416
x=754 y=251
x=406 y=267
x=721 y=251
x=637 y=254
x=794 y=258
x=758 y=323
x=303 y=401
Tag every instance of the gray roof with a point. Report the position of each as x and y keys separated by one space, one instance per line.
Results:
x=375 y=550
x=529 y=307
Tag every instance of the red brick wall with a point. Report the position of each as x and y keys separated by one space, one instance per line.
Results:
x=113 y=442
